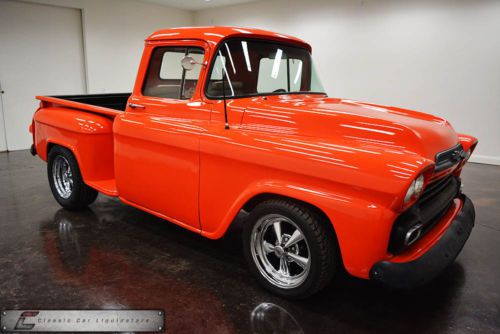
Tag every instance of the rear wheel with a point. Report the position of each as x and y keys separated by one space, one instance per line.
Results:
x=290 y=249
x=66 y=182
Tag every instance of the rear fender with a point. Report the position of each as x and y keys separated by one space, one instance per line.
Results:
x=88 y=136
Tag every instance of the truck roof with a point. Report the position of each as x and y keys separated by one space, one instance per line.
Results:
x=215 y=34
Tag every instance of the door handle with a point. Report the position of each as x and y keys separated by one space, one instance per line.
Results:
x=136 y=106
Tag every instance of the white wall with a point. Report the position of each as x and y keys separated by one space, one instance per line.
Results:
x=114 y=33
x=37 y=57
x=437 y=56
x=440 y=57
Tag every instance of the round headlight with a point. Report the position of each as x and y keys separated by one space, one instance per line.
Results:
x=415 y=189
x=419 y=185
x=410 y=192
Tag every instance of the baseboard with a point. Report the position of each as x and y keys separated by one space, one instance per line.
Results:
x=485 y=159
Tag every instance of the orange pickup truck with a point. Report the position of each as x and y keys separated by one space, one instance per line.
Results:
x=224 y=119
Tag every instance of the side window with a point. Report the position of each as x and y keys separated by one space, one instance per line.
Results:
x=171 y=68
x=191 y=77
x=166 y=77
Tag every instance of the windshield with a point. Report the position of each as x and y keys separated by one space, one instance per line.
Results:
x=254 y=67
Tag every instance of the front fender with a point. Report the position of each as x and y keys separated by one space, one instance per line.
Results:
x=358 y=186
x=362 y=227
x=468 y=142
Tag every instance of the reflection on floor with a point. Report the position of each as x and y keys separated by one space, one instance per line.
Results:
x=114 y=256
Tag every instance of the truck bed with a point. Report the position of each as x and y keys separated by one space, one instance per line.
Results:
x=112 y=101
x=107 y=104
x=88 y=121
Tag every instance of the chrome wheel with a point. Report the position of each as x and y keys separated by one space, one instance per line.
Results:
x=63 y=177
x=280 y=251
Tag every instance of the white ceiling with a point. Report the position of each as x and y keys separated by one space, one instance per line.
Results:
x=196 y=4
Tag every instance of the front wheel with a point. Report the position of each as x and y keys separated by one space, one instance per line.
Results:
x=66 y=182
x=290 y=249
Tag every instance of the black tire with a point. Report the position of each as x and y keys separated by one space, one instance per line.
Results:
x=81 y=195
x=323 y=250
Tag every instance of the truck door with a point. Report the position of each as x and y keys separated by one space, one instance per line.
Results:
x=157 y=161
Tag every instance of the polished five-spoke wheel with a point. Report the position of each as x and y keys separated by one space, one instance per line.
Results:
x=66 y=181
x=290 y=248
x=63 y=178
x=280 y=251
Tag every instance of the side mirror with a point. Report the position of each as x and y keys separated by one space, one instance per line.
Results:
x=188 y=63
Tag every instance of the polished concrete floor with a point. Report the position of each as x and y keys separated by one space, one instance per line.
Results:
x=114 y=256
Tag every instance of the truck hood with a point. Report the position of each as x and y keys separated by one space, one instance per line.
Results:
x=397 y=129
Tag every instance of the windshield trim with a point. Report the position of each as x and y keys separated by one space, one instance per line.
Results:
x=262 y=40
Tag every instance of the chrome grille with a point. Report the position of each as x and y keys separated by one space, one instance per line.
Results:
x=427 y=211
x=449 y=158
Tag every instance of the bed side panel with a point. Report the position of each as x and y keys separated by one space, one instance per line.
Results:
x=89 y=136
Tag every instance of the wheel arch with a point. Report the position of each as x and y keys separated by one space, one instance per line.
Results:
x=352 y=220
x=252 y=202
x=257 y=194
x=53 y=143
x=94 y=163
